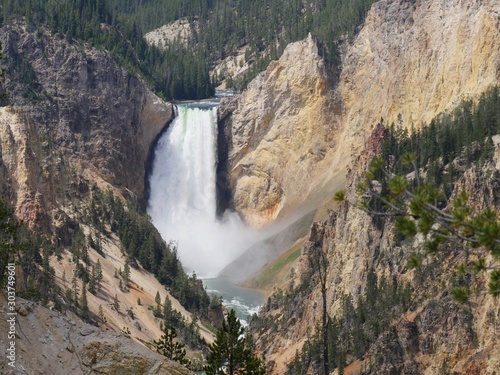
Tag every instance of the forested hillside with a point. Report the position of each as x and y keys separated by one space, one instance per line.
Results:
x=221 y=27
x=175 y=74
x=264 y=27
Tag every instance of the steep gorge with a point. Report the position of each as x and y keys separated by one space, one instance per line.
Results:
x=85 y=122
x=410 y=62
x=435 y=333
x=77 y=124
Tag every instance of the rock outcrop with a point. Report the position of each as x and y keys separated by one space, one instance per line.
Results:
x=410 y=62
x=283 y=132
x=75 y=118
x=65 y=345
x=178 y=31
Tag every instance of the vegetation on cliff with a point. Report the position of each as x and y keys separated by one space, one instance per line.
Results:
x=355 y=327
x=30 y=252
x=450 y=143
x=221 y=28
x=413 y=197
x=142 y=242
x=169 y=348
x=391 y=305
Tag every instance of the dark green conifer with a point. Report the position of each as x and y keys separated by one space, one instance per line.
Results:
x=233 y=350
x=168 y=347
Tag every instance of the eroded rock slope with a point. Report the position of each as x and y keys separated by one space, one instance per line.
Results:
x=282 y=135
x=74 y=118
x=50 y=343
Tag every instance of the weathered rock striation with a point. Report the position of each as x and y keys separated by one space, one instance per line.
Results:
x=410 y=62
x=50 y=343
x=75 y=118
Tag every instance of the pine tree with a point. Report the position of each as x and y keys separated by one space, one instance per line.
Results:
x=126 y=274
x=75 y=289
x=116 y=304
x=416 y=210
x=92 y=281
x=167 y=347
x=85 y=254
x=69 y=295
x=99 y=275
x=167 y=311
x=157 y=308
x=233 y=350
x=84 y=307
x=101 y=314
x=318 y=262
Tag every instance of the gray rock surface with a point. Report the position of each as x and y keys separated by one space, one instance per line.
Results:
x=48 y=342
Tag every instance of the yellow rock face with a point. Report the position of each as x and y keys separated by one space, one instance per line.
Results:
x=416 y=63
x=283 y=135
x=293 y=135
x=25 y=168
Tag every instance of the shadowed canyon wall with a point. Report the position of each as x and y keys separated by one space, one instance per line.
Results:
x=74 y=118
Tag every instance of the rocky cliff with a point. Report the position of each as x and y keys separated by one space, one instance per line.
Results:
x=76 y=123
x=432 y=334
x=282 y=135
x=409 y=62
x=415 y=59
x=75 y=118
x=179 y=31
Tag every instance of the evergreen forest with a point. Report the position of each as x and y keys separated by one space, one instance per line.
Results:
x=449 y=143
x=220 y=27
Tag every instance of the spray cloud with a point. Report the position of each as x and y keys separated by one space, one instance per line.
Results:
x=182 y=201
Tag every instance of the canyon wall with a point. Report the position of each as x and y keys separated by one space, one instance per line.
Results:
x=75 y=122
x=293 y=133
x=282 y=135
x=411 y=61
x=74 y=119
x=414 y=60
x=432 y=334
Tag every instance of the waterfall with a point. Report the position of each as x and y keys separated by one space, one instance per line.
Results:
x=182 y=202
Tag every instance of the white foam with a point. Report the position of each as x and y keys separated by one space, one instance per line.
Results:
x=182 y=201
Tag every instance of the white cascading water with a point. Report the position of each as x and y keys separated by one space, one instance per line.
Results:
x=182 y=202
